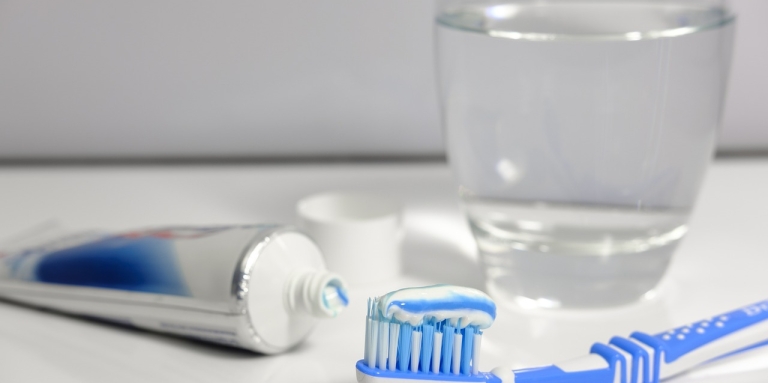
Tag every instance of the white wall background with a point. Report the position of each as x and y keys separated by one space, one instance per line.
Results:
x=255 y=78
x=745 y=126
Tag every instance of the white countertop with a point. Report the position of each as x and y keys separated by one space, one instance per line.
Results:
x=720 y=266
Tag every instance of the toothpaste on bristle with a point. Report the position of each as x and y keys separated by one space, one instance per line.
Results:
x=461 y=306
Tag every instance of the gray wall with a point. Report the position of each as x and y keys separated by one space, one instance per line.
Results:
x=255 y=78
x=745 y=126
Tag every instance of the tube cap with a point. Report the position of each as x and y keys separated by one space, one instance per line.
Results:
x=359 y=234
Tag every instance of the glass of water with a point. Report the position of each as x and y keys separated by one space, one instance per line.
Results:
x=579 y=132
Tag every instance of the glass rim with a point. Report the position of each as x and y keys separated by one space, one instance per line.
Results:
x=442 y=18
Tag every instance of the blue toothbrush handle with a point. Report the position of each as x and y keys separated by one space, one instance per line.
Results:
x=644 y=358
x=688 y=346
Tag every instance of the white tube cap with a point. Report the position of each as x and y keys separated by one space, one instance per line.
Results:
x=359 y=234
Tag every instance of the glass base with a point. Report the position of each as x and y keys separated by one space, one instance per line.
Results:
x=544 y=280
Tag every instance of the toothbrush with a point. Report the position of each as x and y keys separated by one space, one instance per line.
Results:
x=434 y=334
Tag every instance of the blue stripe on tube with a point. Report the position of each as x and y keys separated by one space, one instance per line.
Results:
x=145 y=264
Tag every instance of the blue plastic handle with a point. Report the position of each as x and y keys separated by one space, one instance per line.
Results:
x=682 y=340
x=627 y=361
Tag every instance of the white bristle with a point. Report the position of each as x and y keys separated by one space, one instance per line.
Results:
x=381 y=354
x=437 y=349
x=456 y=353
x=366 y=352
x=415 y=350
x=372 y=344
x=476 y=353
x=394 y=334
x=368 y=319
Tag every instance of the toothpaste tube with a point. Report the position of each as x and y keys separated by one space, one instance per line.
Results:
x=259 y=287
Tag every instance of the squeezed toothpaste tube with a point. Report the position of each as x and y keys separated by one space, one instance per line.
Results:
x=260 y=287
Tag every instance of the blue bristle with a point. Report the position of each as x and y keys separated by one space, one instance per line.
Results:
x=467 y=342
x=445 y=362
x=404 y=346
x=427 y=333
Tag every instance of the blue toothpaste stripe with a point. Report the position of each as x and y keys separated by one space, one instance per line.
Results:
x=452 y=303
x=342 y=295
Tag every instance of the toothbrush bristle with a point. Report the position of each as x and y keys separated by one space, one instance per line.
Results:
x=428 y=347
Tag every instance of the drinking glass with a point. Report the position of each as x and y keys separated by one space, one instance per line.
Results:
x=579 y=133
